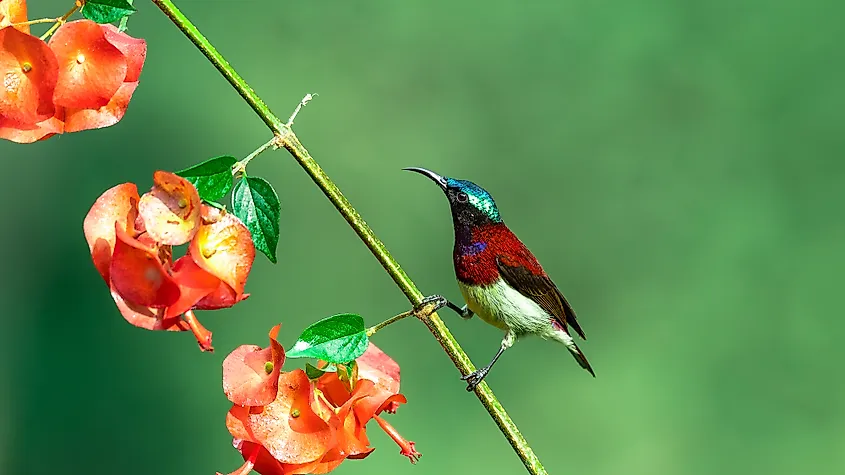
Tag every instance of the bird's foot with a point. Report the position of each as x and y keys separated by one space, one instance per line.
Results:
x=430 y=304
x=474 y=379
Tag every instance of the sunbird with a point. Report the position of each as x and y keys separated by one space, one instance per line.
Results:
x=499 y=278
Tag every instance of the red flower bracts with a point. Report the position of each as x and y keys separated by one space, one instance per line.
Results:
x=306 y=426
x=82 y=79
x=131 y=239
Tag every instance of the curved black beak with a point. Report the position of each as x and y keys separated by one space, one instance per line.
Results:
x=440 y=180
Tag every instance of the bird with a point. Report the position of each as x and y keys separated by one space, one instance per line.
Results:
x=500 y=279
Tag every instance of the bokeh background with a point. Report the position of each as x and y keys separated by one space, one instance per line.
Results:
x=677 y=167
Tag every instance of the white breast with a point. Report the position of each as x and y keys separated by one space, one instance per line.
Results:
x=504 y=307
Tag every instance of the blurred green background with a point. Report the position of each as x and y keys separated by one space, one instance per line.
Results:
x=677 y=167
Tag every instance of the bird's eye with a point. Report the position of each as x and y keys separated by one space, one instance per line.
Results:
x=462 y=197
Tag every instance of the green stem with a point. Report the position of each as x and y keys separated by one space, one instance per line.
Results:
x=289 y=141
x=373 y=329
x=240 y=166
x=59 y=22
x=219 y=62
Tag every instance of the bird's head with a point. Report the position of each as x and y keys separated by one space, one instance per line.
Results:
x=471 y=204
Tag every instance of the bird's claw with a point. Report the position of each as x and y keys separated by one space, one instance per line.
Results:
x=474 y=379
x=429 y=305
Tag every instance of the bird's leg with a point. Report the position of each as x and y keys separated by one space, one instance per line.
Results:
x=439 y=302
x=474 y=379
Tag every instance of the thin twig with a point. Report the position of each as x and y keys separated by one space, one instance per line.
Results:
x=302 y=104
x=373 y=329
x=240 y=167
x=35 y=22
x=60 y=21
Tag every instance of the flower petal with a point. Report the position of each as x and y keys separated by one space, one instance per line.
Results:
x=135 y=50
x=249 y=460
x=105 y=116
x=40 y=131
x=119 y=205
x=145 y=317
x=90 y=68
x=237 y=421
x=333 y=388
x=287 y=427
x=379 y=368
x=171 y=210
x=223 y=247
x=251 y=374
x=194 y=284
x=29 y=72
x=374 y=365
x=222 y=297
x=265 y=464
x=351 y=435
x=138 y=275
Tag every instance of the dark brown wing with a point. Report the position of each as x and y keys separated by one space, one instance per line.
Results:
x=541 y=290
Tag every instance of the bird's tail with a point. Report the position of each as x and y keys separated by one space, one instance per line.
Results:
x=576 y=352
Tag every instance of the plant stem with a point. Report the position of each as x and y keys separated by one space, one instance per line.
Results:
x=219 y=62
x=378 y=326
x=59 y=22
x=289 y=141
x=240 y=166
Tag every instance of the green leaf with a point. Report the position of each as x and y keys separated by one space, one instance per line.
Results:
x=337 y=339
x=256 y=203
x=122 y=26
x=212 y=178
x=314 y=372
x=106 y=11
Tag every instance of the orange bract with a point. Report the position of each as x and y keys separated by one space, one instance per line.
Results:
x=171 y=210
x=105 y=116
x=29 y=72
x=376 y=366
x=194 y=284
x=90 y=68
x=115 y=206
x=40 y=131
x=135 y=50
x=251 y=374
x=223 y=247
x=288 y=427
x=139 y=275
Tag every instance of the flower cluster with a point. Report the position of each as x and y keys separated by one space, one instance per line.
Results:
x=131 y=239
x=285 y=423
x=82 y=79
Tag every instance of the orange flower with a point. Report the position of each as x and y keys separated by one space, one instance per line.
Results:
x=131 y=237
x=310 y=426
x=83 y=79
x=375 y=367
x=99 y=68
